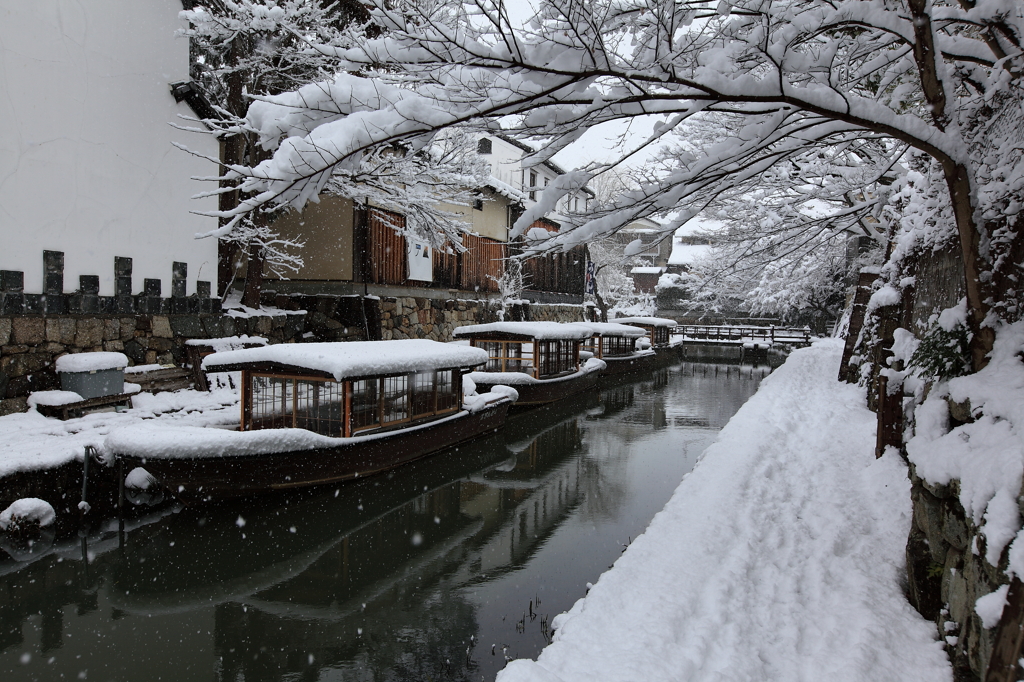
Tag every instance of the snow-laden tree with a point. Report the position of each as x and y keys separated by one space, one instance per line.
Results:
x=246 y=50
x=781 y=82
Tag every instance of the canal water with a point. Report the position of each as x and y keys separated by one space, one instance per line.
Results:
x=443 y=570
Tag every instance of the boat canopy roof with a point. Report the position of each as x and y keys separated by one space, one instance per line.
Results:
x=649 y=321
x=542 y=331
x=614 y=329
x=350 y=359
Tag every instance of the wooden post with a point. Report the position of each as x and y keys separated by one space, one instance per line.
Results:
x=890 y=417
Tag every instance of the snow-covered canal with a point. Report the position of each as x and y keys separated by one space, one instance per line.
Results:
x=443 y=570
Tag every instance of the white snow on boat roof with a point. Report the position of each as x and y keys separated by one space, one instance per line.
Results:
x=356 y=358
x=650 y=321
x=614 y=329
x=537 y=330
x=91 y=362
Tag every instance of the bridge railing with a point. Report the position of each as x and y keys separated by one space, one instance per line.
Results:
x=797 y=335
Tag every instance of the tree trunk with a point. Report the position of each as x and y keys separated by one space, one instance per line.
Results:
x=253 y=276
x=979 y=295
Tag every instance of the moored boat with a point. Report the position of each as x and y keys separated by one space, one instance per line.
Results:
x=320 y=413
x=616 y=344
x=659 y=329
x=541 y=360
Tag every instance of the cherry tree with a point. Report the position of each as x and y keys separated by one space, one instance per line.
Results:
x=781 y=82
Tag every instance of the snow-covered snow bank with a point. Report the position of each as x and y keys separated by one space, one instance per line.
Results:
x=31 y=442
x=780 y=557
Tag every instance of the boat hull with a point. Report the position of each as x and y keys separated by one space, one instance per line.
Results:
x=635 y=365
x=233 y=476
x=545 y=391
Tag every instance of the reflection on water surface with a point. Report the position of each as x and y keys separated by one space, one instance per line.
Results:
x=441 y=570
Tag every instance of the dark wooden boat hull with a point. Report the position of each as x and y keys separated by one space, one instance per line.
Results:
x=543 y=392
x=630 y=365
x=209 y=478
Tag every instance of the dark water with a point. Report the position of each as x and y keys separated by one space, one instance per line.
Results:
x=441 y=571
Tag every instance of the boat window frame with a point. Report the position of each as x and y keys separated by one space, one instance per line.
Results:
x=445 y=390
x=527 y=361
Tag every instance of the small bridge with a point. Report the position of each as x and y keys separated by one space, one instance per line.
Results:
x=793 y=336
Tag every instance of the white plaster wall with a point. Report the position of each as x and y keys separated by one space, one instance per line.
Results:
x=86 y=161
x=506 y=165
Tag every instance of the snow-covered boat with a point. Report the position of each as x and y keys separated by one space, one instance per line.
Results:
x=659 y=329
x=320 y=413
x=616 y=344
x=541 y=360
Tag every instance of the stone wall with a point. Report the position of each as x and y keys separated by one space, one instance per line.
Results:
x=29 y=344
x=947 y=572
x=946 y=566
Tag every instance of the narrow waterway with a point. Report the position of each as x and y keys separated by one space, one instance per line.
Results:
x=442 y=570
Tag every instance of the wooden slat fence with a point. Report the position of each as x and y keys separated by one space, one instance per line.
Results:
x=386 y=248
x=466 y=270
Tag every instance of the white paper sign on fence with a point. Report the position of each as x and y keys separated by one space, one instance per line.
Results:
x=421 y=265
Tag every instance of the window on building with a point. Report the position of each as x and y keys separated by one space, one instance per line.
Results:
x=483 y=146
x=533 y=183
x=478 y=204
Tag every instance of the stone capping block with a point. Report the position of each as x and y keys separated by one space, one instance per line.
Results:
x=12 y=281
x=122 y=266
x=53 y=267
x=89 y=284
x=151 y=287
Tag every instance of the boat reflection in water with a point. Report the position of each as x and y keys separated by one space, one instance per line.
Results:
x=337 y=577
x=413 y=575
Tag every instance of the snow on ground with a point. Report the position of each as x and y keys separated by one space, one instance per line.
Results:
x=780 y=557
x=29 y=441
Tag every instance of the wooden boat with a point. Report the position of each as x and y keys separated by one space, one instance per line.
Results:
x=616 y=344
x=320 y=413
x=659 y=329
x=541 y=360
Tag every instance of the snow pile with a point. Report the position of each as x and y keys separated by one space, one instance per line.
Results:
x=535 y=330
x=53 y=398
x=228 y=342
x=355 y=358
x=30 y=442
x=474 y=403
x=780 y=557
x=986 y=455
x=91 y=362
x=28 y=511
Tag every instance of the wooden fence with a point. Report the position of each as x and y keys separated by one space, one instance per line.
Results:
x=476 y=269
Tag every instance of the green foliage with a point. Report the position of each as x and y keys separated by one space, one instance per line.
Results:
x=935 y=570
x=944 y=354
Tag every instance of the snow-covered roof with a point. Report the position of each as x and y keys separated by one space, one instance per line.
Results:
x=537 y=330
x=614 y=329
x=649 y=321
x=356 y=358
x=685 y=254
x=91 y=362
x=647 y=270
x=506 y=190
